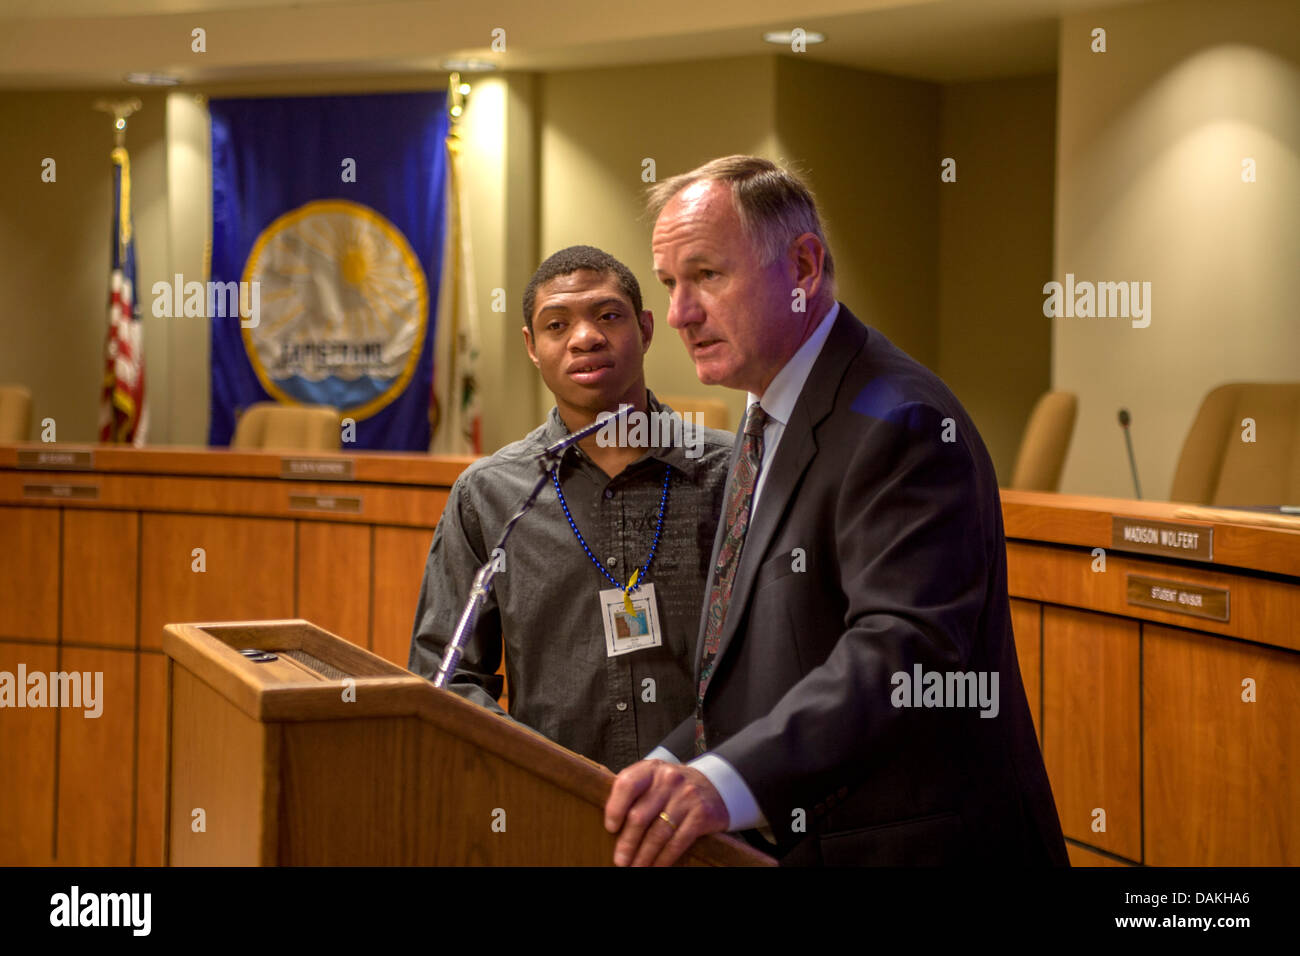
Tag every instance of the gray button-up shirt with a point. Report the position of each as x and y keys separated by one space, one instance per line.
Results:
x=545 y=606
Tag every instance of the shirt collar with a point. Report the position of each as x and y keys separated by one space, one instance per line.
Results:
x=778 y=401
x=674 y=455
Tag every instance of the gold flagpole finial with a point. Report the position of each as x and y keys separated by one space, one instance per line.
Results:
x=457 y=98
x=120 y=111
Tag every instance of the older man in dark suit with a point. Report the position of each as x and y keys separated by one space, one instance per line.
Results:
x=859 y=698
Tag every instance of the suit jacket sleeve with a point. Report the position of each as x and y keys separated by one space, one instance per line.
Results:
x=682 y=740
x=455 y=556
x=908 y=545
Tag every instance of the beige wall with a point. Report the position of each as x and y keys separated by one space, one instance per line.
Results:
x=185 y=343
x=1151 y=138
x=500 y=161
x=557 y=159
x=995 y=252
x=55 y=248
x=597 y=128
x=867 y=144
x=878 y=190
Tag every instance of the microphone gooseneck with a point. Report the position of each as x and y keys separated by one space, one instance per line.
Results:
x=547 y=461
x=1124 y=419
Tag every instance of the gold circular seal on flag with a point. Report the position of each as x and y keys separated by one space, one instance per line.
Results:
x=342 y=308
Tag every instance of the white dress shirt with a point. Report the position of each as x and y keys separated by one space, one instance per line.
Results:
x=778 y=401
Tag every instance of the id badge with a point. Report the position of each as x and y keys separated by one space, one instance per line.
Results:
x=625 y=633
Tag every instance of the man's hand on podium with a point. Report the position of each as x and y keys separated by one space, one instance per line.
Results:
x=659 y=809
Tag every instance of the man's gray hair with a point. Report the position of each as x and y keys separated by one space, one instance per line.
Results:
x=774 y=205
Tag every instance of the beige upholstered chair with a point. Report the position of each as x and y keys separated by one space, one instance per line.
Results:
x=1045 y=442
x=271 y=425
x=15 y=413
x=712 y=412
x=1217 y=467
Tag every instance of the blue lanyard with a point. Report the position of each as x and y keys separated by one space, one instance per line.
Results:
x=659 y=526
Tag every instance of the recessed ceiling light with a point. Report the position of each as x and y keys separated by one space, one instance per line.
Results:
x=786 y=37
x=152 y=79
x=468 y=66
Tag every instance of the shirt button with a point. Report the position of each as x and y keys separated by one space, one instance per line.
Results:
x=609 y=493
x=621 y=705
x=612 y=562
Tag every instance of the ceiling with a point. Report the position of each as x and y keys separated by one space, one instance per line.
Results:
x=79 y=44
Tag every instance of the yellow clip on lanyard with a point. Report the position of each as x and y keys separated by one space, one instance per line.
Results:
x=627 y=592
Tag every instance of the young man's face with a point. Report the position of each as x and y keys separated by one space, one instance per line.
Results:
x=588 y=342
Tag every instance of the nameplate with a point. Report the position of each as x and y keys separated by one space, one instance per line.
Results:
x=1168 y=539
x=337 y=469
x=349 y=504
x=1178 y=597
x=83 y=492
x=55 y=460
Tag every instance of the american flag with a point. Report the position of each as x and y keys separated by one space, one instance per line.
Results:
x=122 y=413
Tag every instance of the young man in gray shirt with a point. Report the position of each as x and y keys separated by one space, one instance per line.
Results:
x=598 y=608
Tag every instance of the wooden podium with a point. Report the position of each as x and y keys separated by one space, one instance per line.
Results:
x=330 y=755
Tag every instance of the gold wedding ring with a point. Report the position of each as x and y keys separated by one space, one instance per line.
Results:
x=663 y=815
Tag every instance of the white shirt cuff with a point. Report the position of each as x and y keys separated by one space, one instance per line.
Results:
x=662 y=753
x=742 y=809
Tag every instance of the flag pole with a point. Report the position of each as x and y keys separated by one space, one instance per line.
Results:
x=453 y=418
x=123 y=416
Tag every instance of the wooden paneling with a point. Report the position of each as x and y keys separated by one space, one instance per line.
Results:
x=334 y=578
x=1081 y=856
x=1091 y=726
x=459 y=786
x=411 y=468
x=1026 y=621
x=151 y=772
x=110 y=570
x=100 y=552
x=1222 y=787
x=1242 y=542
x=27 y=765
x=400 y=556
x=97 y=764
x=1262 y=609
x=29 y=573
x=217 y=758
x=250 y=568
x=389 y=504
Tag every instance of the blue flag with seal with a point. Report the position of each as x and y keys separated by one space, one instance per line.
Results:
x=329 y=211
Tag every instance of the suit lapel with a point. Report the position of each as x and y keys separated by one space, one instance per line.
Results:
x=796 y=451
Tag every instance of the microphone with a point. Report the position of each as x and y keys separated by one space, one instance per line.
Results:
x=548 y=460
x=1124 y=419
x=604 y=418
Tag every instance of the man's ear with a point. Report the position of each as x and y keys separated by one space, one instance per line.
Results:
x=809 y=258
x=647 y=322
x=528 y=344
